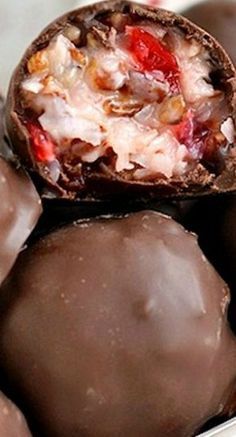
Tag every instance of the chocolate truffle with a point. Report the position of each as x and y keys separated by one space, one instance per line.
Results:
x=218 y=17
x=12 y=423
x=19 y=213
x=118 y=99
x=117 y=327
x=20 y=206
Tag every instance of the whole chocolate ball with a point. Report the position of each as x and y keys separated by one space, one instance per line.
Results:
x=117 y=327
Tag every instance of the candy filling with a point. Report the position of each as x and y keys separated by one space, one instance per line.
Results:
x=135 y=97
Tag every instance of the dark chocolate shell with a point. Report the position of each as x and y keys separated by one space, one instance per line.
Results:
x=101 y=181
x=131 y=320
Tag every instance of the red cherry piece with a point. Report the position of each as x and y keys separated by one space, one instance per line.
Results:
x=42 y=144
x=193 y=135
x=152 y=55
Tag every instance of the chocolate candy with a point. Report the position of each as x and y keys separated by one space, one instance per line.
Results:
x=12 y=423
x=117 y=326
x=19 y=213
x=218 y=17
x=121 y=100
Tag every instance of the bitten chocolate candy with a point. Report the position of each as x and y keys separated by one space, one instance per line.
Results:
x=12 y=423
x=117 y=327
x=19 y=213
x=218 y=17
x=118 y=99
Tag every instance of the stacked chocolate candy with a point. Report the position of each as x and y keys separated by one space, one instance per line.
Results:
x=115 y=325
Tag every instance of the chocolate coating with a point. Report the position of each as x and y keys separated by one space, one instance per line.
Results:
x=219 y=19
x=104 y=182
x=19 y=213
x=12 y=423
x=117 y=327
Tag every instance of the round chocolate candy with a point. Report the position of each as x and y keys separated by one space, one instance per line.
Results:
x=1 y=118
x=19 y=213
x=20 y=206
x=12 y=423
x=118 y=99
x=117 y=327
x=218 y=17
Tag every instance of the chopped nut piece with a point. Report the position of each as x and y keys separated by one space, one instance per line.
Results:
x=78 y=56
x=219 y=137
x=107 y=73
x=92 y=41
x=172 y=110
x=119 y=21
x=52 y=87
x=101 y=36
x=73 y=33
x=121 y=108
x=38 y=62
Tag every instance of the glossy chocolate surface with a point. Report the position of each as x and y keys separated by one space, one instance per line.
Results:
x=20 y=206
x=19 y=213
x=118 y=326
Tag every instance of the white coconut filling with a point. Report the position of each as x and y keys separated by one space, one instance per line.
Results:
x=194 y=73
x=77 y=96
